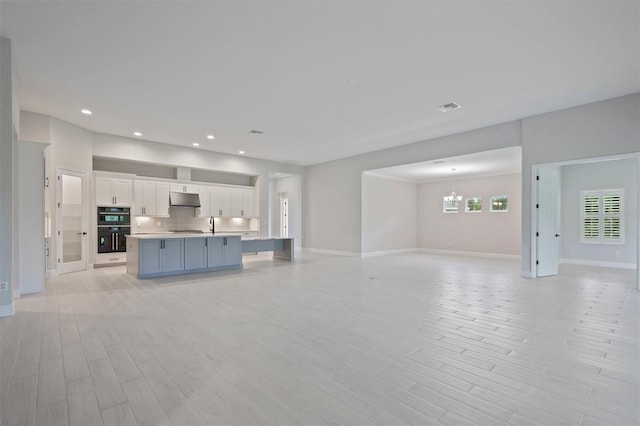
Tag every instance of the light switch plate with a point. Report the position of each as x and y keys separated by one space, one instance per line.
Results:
x=4 y=286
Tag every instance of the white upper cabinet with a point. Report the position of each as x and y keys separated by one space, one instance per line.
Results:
x=145 y=197
x=219 y=201
x=151 y=198
x=113 y=192
x=205 y=201
x=241 y=202
x=162 y=199
x=179 y=187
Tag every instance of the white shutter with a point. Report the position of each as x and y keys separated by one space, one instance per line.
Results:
x=612 y=230
x=602 y=216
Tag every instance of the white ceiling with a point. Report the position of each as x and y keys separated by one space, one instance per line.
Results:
x=322 y=79
x=495 y=162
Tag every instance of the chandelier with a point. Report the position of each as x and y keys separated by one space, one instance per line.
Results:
x=453 y=199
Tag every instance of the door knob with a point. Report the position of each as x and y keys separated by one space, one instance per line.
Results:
x=82 y=233
x=557 y=235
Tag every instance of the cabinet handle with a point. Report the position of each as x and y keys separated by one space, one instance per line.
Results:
x=241 y=212
x=220 y=212
x=225 y=241
x=115 y=200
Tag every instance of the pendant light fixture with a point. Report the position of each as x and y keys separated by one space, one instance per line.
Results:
x=453 y=199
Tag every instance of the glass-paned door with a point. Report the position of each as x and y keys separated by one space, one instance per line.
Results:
x=72 y=221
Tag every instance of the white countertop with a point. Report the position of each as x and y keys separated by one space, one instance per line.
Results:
x=167 y=235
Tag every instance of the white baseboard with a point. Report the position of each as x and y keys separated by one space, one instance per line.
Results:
x=52 y=273
x=7 y=310
x=387 y=252
x=471 y=253
x=621 y=265
x=332 y=252
x=527 y=274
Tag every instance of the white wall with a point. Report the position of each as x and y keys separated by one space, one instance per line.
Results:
x=9 y=243
x=32 y=255
x=389 y=214
x=594 y=130
x=601 y=175
x=485 y=231
x=333 y=207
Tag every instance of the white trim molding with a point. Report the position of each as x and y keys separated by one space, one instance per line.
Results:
x=471 y=253
x=332 y=252
x=387 y=252
x=599 y=263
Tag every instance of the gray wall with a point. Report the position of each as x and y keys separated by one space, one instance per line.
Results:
x=601 y=175
x=599 y=129
x=389 y=214
x=485 y=231
x=333 y=210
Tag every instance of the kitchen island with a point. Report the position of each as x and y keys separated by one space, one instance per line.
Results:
x=154 y=255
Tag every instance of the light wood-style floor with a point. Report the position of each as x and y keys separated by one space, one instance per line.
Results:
x=408 y=339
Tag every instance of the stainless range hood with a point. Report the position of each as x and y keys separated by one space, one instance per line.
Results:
x=182 y=199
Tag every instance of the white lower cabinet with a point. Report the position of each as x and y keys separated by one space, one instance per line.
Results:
x=161 y=256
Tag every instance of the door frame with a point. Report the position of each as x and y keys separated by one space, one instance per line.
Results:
x=534 y=198
x=60 y=269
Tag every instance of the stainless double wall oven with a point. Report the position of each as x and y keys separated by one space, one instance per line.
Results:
x=114 y=224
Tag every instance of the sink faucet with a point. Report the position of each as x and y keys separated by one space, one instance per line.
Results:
x=213 y=227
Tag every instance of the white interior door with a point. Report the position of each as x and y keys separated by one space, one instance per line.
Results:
x=71 y=206
x=284 y=215
x=548 y=221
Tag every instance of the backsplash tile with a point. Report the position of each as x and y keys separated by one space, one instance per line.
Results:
x=183 y=218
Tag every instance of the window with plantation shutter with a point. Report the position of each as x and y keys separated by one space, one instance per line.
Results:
x=602 y=219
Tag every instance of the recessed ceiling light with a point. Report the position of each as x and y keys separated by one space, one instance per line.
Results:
x=137 y=133
x=210 y=137
x=195 y=144
x=449 y=107
x=240 y=152
x=86 y=111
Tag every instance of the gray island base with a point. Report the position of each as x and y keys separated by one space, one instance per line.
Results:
x=155 y=255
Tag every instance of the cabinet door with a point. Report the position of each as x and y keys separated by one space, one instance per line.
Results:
x=150 y=256
x=162 y=199
x=149 y=198
x=122 y=192
x=247 y=203
x=195 y=253
x=176 y=187
x=220 y=199
x=173 y=256
x=138 y=196
x=104 y=192
x=232 y=253
x=205 y=201
x=214 y=252
x=235 y=202
x=191 y=189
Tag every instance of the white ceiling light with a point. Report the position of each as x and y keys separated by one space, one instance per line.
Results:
x=240 y=152
x=195 y=144
x=449 y=107
x=210 y=137
x=137 y=133
x=453 y=199
x=86 y=111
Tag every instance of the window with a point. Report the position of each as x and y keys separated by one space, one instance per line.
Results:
x=499 y=203
x=474 y=204
x=601 y=216
x=450 y=205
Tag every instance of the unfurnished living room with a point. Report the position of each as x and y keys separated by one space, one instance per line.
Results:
x=323 y=212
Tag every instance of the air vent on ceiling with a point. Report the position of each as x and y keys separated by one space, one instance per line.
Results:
x=438 y=161
x=256 y=132
x=449 y=107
